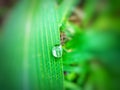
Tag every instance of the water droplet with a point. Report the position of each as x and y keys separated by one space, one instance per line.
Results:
x=57 y=51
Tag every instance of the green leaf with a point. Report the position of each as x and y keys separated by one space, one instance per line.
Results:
x=65 y=8
x=72 y=69
x=30 y=33
x=71 y=86
x=89 y=10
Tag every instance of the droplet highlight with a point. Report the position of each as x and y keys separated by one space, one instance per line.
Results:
x=57 y=51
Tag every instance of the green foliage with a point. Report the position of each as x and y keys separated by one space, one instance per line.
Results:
x=91 y=57
x=90 y=51
x=30 y=33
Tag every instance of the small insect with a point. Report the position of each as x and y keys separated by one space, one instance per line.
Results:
x=63 y=38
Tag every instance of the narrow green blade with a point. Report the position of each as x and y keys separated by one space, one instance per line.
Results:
x=30 y=34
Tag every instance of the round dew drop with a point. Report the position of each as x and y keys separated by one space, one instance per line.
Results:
x=57 y=51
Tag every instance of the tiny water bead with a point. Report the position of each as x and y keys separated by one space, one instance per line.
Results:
x=57 y=51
